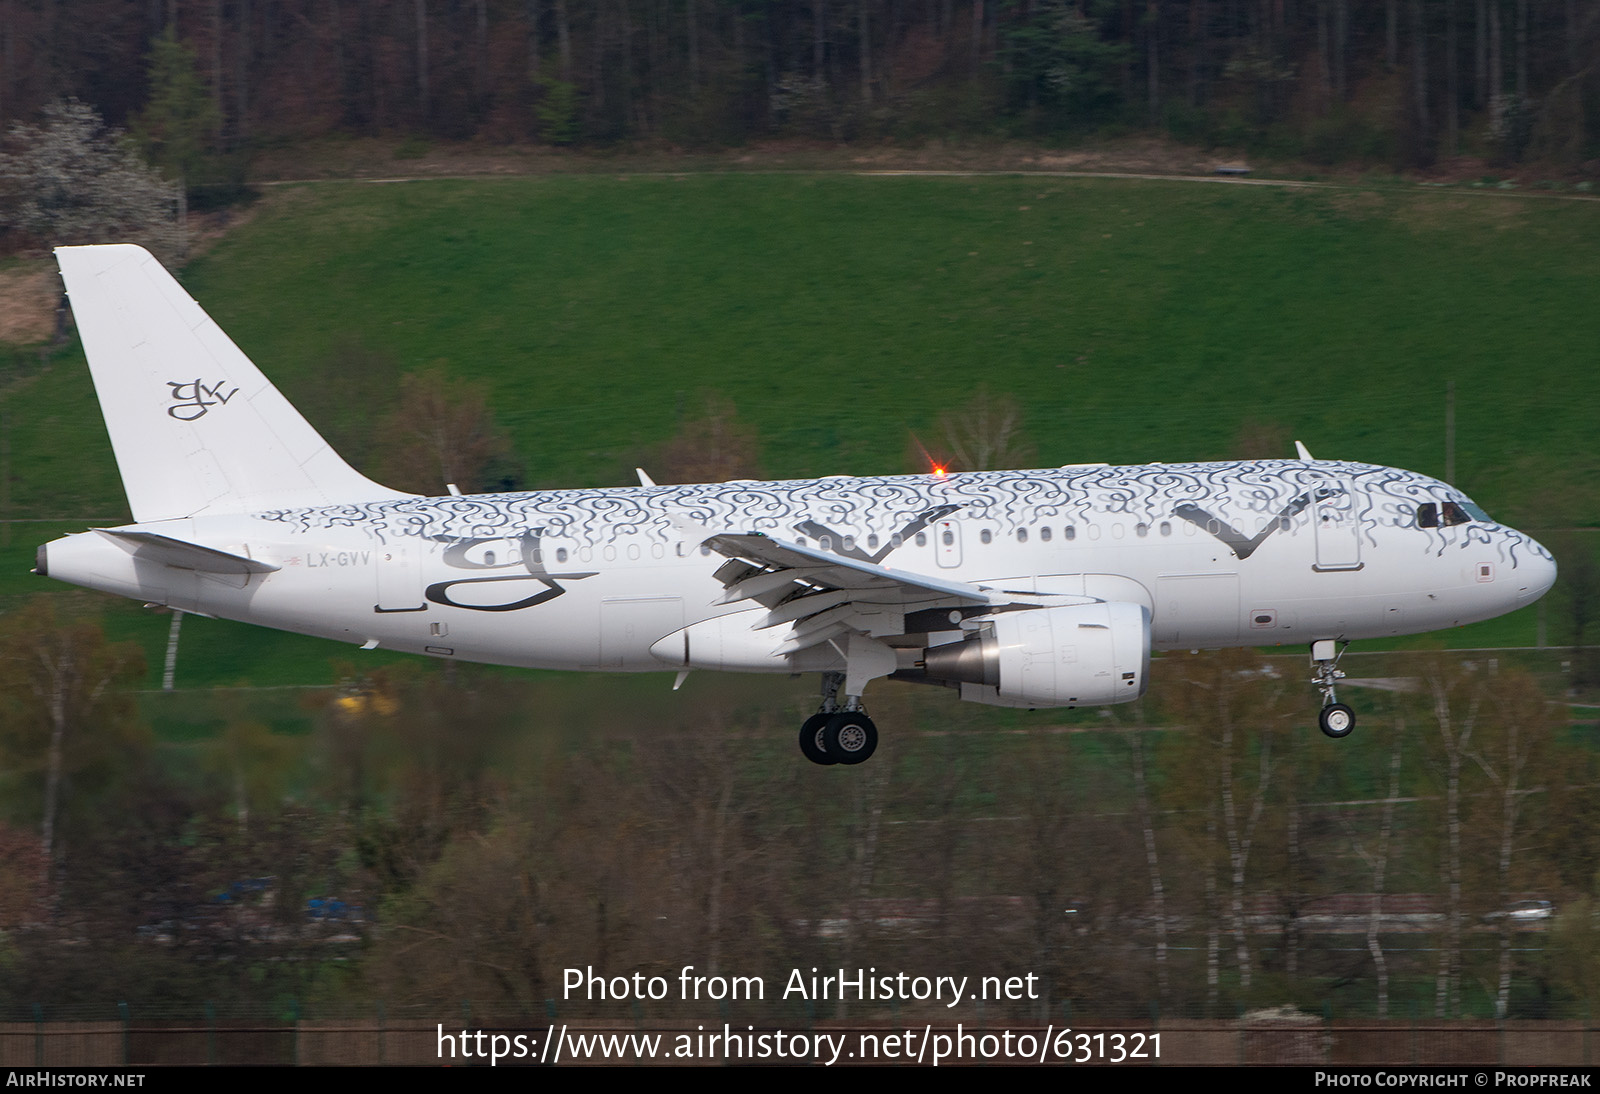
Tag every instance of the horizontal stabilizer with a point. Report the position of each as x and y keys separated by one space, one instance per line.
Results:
x=185 y=556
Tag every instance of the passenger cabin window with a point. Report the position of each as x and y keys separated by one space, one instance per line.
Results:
x=922 y=539
x=872 y=542
x=985 y=536
x=1071 y=532
x=1044 y=533
x=1022 y=535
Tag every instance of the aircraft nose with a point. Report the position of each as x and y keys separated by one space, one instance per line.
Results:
x=1535 y=573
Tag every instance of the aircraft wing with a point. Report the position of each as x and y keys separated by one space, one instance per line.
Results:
x=825 y=595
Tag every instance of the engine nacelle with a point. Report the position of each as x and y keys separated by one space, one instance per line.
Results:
x=1081 y=655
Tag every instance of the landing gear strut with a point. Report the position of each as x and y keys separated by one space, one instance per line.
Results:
x=1335 y=719
x=838 y=734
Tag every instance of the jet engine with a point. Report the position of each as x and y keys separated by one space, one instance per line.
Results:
x=1080 y=655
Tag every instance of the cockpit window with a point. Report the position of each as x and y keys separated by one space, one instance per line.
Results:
x=1448 y=514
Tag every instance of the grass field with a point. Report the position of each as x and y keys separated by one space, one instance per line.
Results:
x=842 y=315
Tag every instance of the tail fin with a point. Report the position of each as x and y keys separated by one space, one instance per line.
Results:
x=195 y=426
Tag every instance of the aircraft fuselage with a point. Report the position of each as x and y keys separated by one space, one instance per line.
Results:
x=1223 y=554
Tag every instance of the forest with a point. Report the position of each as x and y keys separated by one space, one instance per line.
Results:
x=453 y=840
x=1401 y=83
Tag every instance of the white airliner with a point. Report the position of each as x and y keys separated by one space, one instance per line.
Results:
x=1018 y=588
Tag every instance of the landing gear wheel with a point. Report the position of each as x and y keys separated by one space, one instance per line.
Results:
x=1337 y=720
x=811 y=740
x=851 y=738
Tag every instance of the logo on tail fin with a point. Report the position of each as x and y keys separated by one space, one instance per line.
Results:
x=191 y=398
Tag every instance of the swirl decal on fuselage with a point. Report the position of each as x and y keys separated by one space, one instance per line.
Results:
x=527 y=555
x=1241 y=545
x=841 y=543
x=1242 y=496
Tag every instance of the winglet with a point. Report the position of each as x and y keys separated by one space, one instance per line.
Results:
x=1302 y=451
x=644 y=480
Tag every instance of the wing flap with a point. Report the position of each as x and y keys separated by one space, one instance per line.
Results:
x=821 y=596
x=823 y=570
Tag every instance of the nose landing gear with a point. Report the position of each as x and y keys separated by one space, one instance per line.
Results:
x=838 y=734
x=1335 y=719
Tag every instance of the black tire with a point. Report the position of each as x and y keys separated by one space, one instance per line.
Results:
x=1337 y=720
x=851 y=738
x=811 y=740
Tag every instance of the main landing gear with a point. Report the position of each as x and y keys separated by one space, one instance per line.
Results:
x=1336 y=719
x=838 y=734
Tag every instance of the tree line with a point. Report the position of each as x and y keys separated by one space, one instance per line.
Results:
x=1405 y=81
x=468 y=836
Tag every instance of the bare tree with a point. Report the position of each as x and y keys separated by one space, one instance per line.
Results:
x=1456 y=701
x=22 y=870
x=66 y=703
x=1580 y=580
x=1257 y=440
x=442 y=434
x=985 y=434
x=1158 y=893
x=1235 y=709
x=1516 y=736
x=1377 y=861
x=715 y=446
x=710 y=809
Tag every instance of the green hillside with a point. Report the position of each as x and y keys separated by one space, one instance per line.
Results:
x=843 y=315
